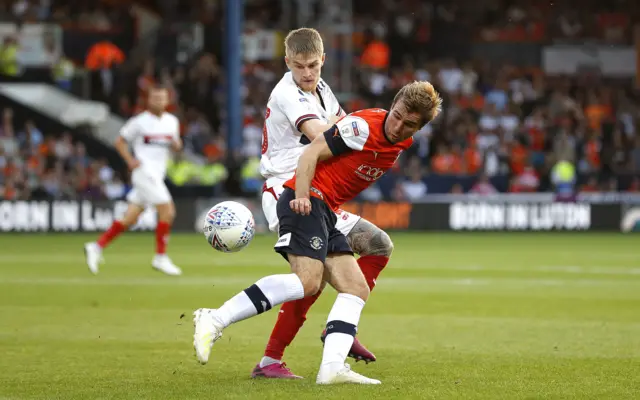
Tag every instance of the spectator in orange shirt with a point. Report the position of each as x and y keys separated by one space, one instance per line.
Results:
x=376 y=55
x=457 y=160
x=519 y=158
x=592 y=152
x=442 y=161
x=596 y=112
x=472 y=159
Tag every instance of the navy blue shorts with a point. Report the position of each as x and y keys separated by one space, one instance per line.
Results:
x=314 y=235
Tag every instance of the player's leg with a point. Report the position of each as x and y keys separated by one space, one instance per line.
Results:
x=161 y=261
x=93 y=250
x=374 y=247
x=154 y=192
x=303 y=241
x=304 y=280
x=342 y=272
x=292 y=314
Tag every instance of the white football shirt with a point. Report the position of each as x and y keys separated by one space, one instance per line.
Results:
x=288 y=107
x=150 y=137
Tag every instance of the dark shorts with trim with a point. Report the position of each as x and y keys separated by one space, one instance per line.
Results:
x=314 y=235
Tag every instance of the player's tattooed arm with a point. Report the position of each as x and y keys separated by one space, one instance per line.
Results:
x=367 y=239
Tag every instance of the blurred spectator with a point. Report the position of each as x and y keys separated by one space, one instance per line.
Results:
x=414 y=188
x=502 y=123
x=483 y=186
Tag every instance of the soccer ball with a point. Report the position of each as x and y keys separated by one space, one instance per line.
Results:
x=229 y=226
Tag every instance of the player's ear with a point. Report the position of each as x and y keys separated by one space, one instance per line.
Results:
x=286 y=60
x=323 y=57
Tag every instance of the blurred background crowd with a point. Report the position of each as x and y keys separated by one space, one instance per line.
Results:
x=513 y=113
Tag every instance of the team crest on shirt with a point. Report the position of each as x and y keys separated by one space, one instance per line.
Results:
x=315 y=243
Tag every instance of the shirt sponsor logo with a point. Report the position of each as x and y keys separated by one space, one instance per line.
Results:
x=369 y=173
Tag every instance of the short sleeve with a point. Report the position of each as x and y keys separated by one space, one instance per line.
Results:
x=297 y=107
x=130 y=130
x=354 y=131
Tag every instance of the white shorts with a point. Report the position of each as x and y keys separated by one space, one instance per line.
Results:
x=148 y=190
x=345 y=223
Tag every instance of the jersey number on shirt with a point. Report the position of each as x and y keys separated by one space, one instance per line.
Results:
x=265 y=137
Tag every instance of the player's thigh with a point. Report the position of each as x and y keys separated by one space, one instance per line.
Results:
x=132 y=213
x=342 y=272
x=346 y=221
x=166 y=211
x=302 y=235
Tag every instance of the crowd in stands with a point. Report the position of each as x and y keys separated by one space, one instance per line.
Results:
x=500 y=121
x=95 y=15
x=47 y=165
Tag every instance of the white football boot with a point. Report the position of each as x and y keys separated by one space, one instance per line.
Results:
x=162 y=263
x=343 y=375
x=206 y=331
x=93 y=255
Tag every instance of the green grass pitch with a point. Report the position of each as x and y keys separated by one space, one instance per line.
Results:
x=463 y=316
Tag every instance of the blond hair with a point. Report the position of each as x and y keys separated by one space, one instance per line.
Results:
x=422 y=98
x=303 y=41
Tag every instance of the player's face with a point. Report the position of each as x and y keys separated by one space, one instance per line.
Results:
x=401 y=124
x=158 y=100
x=306 y=70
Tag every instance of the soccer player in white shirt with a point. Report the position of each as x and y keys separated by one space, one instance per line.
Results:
x=152 y=134
x=301 y=107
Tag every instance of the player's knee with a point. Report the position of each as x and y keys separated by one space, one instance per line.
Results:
x=131 y=216
x=310 y=283
x=309 y=272
x=386 y=244
x=360 y=289
x=166 y=212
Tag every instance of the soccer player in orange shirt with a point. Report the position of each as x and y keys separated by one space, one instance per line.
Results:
x=332 y=170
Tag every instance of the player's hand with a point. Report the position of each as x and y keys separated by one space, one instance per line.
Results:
x=301 y=206
x=176 y=145
x=133 y=164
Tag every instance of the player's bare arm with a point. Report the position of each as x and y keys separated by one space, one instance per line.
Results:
x=122 y=147
x=367 y=239
x=318 y=150
x=314 y=127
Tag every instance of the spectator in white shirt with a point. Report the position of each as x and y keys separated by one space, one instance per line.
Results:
x=414 y=188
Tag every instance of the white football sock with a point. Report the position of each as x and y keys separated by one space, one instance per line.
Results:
x=260 y=297
x=268 y=361
x=342 y=325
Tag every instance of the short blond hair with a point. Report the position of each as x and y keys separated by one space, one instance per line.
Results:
x=303 y=41
x=422 y=98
